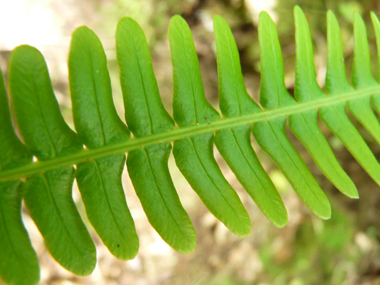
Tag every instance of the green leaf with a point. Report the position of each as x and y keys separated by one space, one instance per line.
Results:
x=235 y=147
x=273 y=93
x=306 y=86
x=100 y=185
x=194 y=156
x=15 y=247
x=49 y=200
x=145 y=114
x=18 y=262
x=48 y=195
x=376 y=25
x=95 y=117
x=376 y=97
x=235 y=144
x=362 y=76
x=35 y=107
x=272 y=139
x=98 y=124
x=361 y=70
x=190 y=106
x=336 y=119
x=271 y=135
x=233 y=97
x=47 y=190
x=336 y=79
x=305 y=125
x=335 y=116
x=144 y=111
x=148 y=169
x=13 y=152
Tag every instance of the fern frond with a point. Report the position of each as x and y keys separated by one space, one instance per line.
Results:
x=100 y=142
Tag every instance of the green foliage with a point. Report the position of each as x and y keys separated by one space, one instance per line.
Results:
x=46 y=189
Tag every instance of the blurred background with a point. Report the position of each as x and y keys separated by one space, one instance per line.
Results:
x=343 y=250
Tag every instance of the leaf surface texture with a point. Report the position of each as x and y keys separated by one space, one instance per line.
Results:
x=98 y=146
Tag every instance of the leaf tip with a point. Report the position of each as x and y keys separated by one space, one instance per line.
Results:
x=127 y=23
x=330 y=14
x=325 y=214
x=354 y=195
x=297 y=10
x=373 y=16
x=243 y=229
x=299 y=17
x=217 y=18
x=281 y=222
x=189 y=246
x=175 y=19
x=264 y=17
x=375 y=21
x=82 y=29
x=219 y=22
x=358 y=20
x=177 y=25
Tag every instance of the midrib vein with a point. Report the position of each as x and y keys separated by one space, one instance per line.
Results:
x=180 y=133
